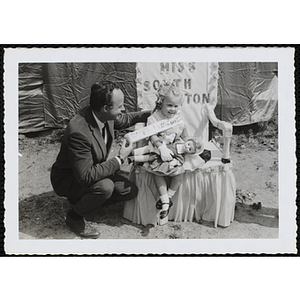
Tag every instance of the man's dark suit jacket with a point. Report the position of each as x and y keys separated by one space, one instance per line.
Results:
x=83 y=153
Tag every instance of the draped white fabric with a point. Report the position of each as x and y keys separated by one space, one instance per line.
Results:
x=207 y=193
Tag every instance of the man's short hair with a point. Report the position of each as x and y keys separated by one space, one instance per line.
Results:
x=101 y=94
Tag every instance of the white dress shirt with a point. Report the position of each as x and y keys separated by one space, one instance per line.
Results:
x=101 y=125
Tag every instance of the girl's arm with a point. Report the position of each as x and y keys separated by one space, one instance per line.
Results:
x=155 y=140
x=184 y=135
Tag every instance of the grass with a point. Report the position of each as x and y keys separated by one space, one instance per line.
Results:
x=244 y=197
x=260 y=136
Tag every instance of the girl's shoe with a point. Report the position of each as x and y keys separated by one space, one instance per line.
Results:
x=164 y=213
x=159 y=204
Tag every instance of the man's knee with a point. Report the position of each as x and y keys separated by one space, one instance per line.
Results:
x=134 y=190
x=103 y=187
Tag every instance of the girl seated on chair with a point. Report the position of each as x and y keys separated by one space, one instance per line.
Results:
x=170 y=145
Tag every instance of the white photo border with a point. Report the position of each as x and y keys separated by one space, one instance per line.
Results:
x=285 y=244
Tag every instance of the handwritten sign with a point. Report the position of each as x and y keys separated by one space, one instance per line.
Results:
x=195 y=80
x=152 y=129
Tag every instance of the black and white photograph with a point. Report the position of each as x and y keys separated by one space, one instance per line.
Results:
x=150 y=151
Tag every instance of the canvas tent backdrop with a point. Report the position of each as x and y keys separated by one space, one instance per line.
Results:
x=50 y=94
x=247 y=92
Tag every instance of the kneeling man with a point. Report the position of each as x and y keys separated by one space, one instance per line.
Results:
x=82 y=172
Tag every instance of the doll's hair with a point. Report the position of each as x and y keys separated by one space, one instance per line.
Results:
x=197 y=143
x=167 y=88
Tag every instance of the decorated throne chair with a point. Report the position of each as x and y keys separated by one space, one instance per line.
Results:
x=208 y=188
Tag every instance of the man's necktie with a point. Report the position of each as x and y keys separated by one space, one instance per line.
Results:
x=104 y=132
x=108 y=138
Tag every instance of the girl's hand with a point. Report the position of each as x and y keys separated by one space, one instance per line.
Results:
x=165 y=153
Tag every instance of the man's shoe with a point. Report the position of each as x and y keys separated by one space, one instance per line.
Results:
x=81 y=228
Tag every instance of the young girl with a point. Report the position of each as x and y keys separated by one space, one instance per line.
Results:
x=169 y=163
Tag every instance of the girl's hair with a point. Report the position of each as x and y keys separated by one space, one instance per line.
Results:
x=166 y=88
x=198 y=145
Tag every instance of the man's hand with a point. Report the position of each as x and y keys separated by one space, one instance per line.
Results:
x=165 y=153
x=125 y=150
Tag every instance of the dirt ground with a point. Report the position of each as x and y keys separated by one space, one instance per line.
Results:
x=255 y=166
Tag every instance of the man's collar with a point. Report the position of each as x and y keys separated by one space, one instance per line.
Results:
x=99 y=123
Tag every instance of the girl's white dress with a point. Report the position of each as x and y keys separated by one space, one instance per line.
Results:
x=169 y=137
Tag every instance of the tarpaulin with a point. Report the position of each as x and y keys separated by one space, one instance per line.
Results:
x=31 y=107
x=50 y=94
x=67 y=86
x=247 y=92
